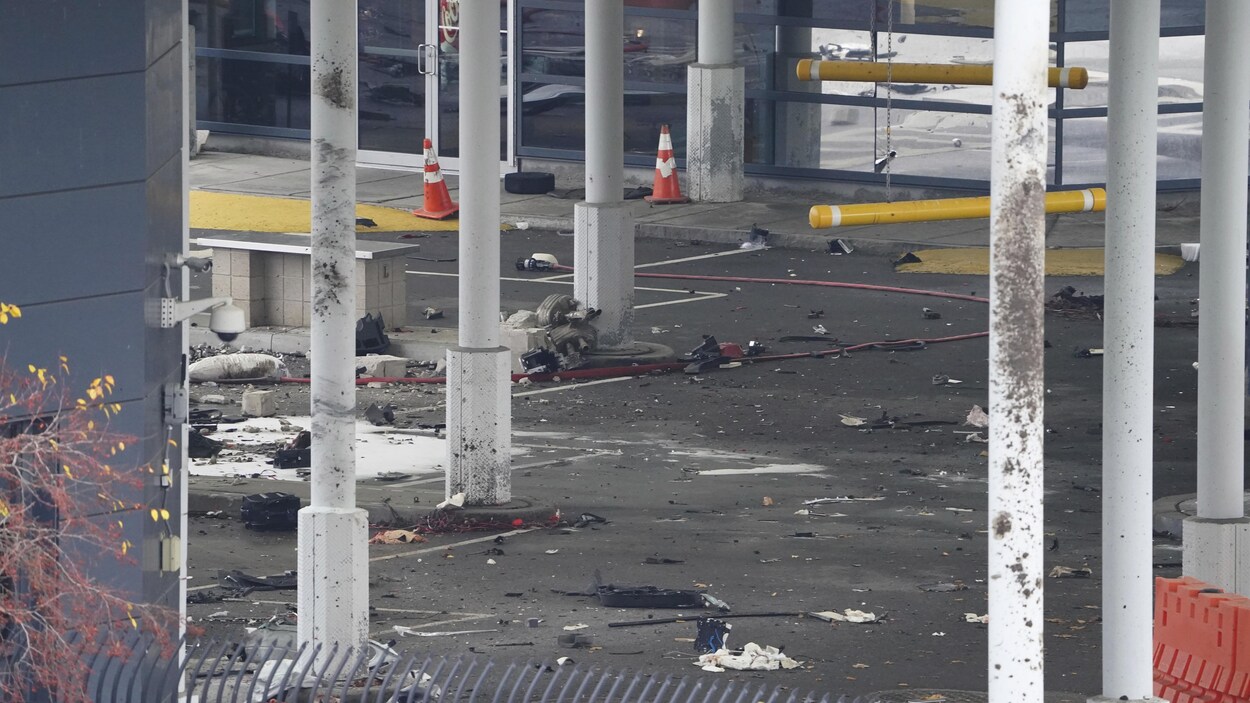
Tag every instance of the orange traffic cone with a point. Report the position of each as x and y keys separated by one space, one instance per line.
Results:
x=438 y=204
x=666 y=190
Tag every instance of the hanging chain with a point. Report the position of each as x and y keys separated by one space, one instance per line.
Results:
x=889 y=96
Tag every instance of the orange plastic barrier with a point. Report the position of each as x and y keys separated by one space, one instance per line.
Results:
x=1202 y=643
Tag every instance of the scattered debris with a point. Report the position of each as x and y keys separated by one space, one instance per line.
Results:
x=976 y=437
x=711 y=635
x=201 y=447
x=978 y=619
x=552 y=551
x=757 y=238
x=575 y=641
x=371 y=335
x=852 y=421
x=1067 y=572
x=589 y=518
x=847 y=615
x=243 y=584
x=941 y=379
x=930 y=314
x=379 y=415
x=977 y=417
x=455 y=501
x=365 y=222
x=712 y=601
x=1069 y=300
x=403 y=631
x=820 y=329
x=908 y=258
x=943 y=587
x=533 y=264
x=843 y=499
x=237 y=368
x=1087 y=352
x=752 y=658
x=432 y=314
x=663 y=560
x=297 y=454
x=838 y=247
x=815 y=314
x=575 y=628
x=767 y=502
x=397 y=537
x=270 y=511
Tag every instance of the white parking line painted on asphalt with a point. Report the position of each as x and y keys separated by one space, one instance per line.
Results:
x=570 y=387
x=444 y=547
x=699 y=295
x=700 y=257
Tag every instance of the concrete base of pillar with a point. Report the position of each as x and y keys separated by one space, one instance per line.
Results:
x=715 y=110
x=603 y=261
x=1218 y=552
x=1105 y=699
x=479 y=425
x=333 y=572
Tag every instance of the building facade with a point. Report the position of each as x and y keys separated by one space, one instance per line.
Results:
x=252 y=79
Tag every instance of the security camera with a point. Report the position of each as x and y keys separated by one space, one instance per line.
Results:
x=227 y=322
x=226 y=319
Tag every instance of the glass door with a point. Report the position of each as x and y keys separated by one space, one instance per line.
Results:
x=409 y=78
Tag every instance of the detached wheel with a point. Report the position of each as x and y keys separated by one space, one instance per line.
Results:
x=529 y=182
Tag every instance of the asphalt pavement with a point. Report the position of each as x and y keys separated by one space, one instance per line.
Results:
x=709 y=474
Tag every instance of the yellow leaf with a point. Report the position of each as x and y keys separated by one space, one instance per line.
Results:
x=165 y=469
x=68 y=472
x=108 y=378
x=121 y=446
x=155 y=515
x=173 y=443
x=30 y=367
x=4 y=508
x=164 y=514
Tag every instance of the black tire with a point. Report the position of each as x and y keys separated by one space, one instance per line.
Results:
x=529 y=182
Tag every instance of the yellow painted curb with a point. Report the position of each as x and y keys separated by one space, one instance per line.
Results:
x=258 y=213
x=1059 y=262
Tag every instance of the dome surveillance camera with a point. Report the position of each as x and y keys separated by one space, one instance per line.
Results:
x=227 y=322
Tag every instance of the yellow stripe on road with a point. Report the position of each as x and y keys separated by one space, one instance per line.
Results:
x=258 y=213
x=1059 y=262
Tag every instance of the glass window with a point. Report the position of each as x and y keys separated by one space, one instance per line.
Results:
x=1094 y=15
x=1093 y=56
x=1085 y=148
x=252 y=93
x=273 y=26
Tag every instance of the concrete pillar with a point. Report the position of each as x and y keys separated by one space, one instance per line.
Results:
x=1017 y=187
x=333 y=554
x=603 y=226
x=715 y=104
x=479 y=409
x=1128 y=367
x=1217 y=539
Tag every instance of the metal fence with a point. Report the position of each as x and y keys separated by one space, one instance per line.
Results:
x=223 y=671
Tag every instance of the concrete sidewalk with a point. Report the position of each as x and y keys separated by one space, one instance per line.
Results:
x=785 y=215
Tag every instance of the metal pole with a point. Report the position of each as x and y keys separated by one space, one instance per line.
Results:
x=1128 y=367
x=479 y=411
x=1018 y=184
x=1221 y=328
x=716 y=33
x=827 y=216
x=1073 y=77
x=333 y=563
x=605 y=100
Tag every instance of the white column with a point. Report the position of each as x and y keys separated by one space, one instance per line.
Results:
x=715 y=105
x=716 y=32
x=1018 y=185
x=1222 y=289
x=479 y=411
x=1217 y=541
x=333 y=557
x=603 y=225
x=1128 y=367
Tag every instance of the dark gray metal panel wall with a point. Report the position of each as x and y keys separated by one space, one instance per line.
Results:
x=90 y=203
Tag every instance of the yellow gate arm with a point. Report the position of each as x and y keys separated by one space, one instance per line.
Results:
x=826 y=216
x=958 y=74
